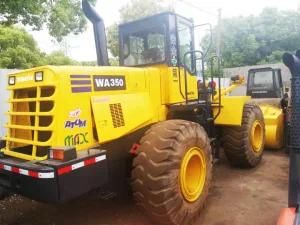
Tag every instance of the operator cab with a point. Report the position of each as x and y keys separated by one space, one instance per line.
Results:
x=265 y=83
x=158 y=39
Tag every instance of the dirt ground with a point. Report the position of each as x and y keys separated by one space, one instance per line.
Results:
x=237 y=197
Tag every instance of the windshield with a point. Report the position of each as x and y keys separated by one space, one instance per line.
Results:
x=262 y=79
x=145 y=47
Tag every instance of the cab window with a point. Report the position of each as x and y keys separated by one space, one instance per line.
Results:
x=262 y=79
x=145 y=47
x=185 y=44
x=278 y=80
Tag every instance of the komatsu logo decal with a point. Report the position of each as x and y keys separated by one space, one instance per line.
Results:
x=24 y=79
x=109 y=83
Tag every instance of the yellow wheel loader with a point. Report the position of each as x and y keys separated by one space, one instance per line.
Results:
x=72 y=129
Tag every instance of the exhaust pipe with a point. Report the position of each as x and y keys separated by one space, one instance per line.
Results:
x=99 y=33
x=293 y=63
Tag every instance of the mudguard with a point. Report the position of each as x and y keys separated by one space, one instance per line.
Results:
x=231 y=113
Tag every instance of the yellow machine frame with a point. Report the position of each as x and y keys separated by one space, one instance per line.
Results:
x=145 y=101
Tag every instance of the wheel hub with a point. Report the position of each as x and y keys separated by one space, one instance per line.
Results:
x=193 y=174
x=256 y=137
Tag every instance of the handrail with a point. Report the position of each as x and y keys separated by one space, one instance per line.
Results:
x=206 y=95
x=219 y=83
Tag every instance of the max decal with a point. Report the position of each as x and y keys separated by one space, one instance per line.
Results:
x=76 y=123
x=77 y=139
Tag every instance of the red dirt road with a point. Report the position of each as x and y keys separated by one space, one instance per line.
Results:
x=237 y=197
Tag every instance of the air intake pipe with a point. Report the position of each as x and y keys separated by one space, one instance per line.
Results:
x=99 y=33
x=293 y=63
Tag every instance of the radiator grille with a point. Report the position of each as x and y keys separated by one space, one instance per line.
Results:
x=117 y=115
x=30 y=121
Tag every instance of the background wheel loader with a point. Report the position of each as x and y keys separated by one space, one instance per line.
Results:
x=266 y=89
x=72 y=129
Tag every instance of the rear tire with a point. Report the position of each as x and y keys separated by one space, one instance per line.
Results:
x=162 y=183
x=244 y=145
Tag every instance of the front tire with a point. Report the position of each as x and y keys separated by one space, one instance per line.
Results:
x=172 y=172
x=244 y=145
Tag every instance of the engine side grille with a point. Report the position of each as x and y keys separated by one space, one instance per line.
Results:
x=117 y=115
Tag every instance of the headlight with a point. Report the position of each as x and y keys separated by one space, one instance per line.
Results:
x=38 y=76
x=11 y=80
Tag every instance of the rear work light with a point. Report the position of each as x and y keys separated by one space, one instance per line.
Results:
x=38 y=76
x=62 y=153
x=11 y=80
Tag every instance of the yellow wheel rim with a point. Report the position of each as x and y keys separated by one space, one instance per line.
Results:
x=256 y=136
x=193 y=174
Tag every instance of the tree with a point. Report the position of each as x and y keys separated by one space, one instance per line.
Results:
x=258 y=39
x=58 y=58
x=133 y=10
x=88 y=63
x=61 y=16
x=18 y=49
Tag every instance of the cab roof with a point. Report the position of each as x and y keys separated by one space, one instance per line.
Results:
x=148 y=18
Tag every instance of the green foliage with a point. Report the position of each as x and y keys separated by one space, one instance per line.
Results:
x=18 y=49
x=113 y=40
x=133 y=10
x=61 y=16
x=258 y=39
x=58 y=58
x=88 y=63
x=114 y=61
x=275 y=57
x=137 y=9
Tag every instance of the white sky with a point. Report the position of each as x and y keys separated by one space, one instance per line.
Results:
x=81 y=47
